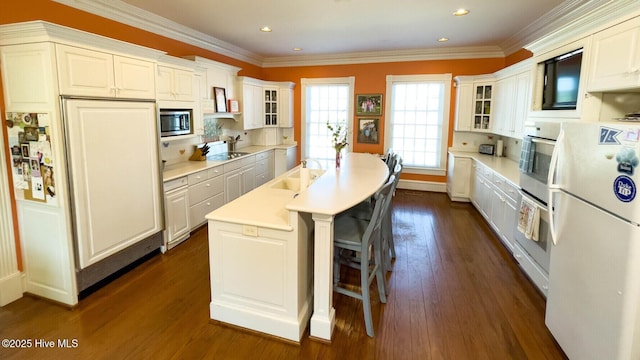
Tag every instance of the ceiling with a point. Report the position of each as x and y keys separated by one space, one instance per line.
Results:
x=324 y=28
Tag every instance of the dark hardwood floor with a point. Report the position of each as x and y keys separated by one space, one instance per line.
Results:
x=454 y=293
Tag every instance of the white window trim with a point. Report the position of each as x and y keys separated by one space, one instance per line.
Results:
x=304 y=82
x=446 y=79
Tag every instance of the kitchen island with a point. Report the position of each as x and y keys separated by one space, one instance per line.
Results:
x=269 y=246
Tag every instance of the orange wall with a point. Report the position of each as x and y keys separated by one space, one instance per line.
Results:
x=370 y=78
x=517 y=56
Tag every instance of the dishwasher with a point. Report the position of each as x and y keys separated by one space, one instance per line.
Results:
x=176 y=207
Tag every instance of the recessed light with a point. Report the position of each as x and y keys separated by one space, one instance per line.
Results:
x=265 y=29
x=443 y=39
x=461 y=12
x=297 y=49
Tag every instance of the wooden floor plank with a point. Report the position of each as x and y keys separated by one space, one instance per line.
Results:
x=454 y=293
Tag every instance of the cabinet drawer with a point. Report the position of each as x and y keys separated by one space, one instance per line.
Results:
x=237 y=164
x=263 y=155
x=512 y=191
x=175 y=183
x=205 y=189
x=198 y=211
x=198 y=177
x=262 y=179
x=215 y=171
x=262 y=166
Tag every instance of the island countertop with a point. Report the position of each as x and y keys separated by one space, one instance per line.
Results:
x=359 y=176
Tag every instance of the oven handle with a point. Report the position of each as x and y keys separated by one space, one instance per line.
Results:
x=552 y=187
x=543 y=141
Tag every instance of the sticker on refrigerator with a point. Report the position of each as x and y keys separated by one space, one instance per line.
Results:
x=608 y=136
x=624 y=188
x=627 y=160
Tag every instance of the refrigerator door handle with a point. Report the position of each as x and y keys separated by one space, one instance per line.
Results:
x=553 y=163
x=552 y=186
x=552 y=225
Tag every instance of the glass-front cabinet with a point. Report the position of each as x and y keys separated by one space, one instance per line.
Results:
x=474 y=103
x=270 y=107
x=482 y=99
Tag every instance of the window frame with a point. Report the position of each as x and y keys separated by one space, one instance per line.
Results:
x=446 y=80
x=305 y=82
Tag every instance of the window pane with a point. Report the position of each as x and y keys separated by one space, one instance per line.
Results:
x=324 y=103
x=416 y=122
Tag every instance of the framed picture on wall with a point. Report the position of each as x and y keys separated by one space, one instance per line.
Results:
x=220 y=97
x=369 y=104
x=368 y=131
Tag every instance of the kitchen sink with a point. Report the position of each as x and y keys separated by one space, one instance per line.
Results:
x=287 y=183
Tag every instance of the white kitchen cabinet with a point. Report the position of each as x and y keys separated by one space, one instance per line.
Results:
x=285 y=160
x=481 y=190
x=24 y=65
x=206 y=193
x=86 y=72
x=200 y=105
x=270 y=99
x=464 y=98
x=239 y=177
x=286 y=118
x=512 y=97
x=505 y=199
x=250 y=103
x=615 y=59
x=264 y=167
x=174 y=84
x=459 y=177
x=473 y=107
x=177 y=225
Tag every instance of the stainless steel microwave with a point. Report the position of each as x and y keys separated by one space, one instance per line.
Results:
x=175 y=122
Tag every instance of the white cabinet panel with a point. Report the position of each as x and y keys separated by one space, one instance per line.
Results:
x=616 y=58
x=459 y=178
x=121 y=206
x=23 y=66
x=177 y=208
x=93 y=73
x=174 y=84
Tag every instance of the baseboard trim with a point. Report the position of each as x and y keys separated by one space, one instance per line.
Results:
x=10 y=288
x=422 y=185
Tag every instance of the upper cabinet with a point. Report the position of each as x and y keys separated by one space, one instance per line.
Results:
x=214 y=74
x=265 y=103
x=278 y=104
x=86 y=72
x=251 y=103
x=615 y=61
x=512 y=99
x=23 y=66
x=175 y=84
x=474 y=103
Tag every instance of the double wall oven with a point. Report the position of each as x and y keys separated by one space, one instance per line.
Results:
x=535 y=161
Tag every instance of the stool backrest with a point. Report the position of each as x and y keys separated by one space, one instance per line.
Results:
x=381 y=196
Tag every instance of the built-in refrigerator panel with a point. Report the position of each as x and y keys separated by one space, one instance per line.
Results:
x=115 y=177
x=599 y=162
x=593 y=301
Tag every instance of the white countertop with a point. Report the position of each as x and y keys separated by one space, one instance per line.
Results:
x=506 y=167
x=360 y=175
x=189 y=167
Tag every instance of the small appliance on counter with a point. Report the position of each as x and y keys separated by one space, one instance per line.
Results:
x=487 y=149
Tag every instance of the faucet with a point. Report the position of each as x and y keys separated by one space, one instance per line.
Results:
x=314 y=161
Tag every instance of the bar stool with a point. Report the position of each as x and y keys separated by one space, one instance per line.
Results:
x=363 y=237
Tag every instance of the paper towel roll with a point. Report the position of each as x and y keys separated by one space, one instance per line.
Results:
x=499 y=148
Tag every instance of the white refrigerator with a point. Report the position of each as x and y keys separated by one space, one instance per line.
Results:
x=593 y=304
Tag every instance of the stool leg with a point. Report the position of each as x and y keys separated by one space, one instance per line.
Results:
x=366 y=299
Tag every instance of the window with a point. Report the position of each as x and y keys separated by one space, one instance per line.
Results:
x=328 y=99
x=418 y=121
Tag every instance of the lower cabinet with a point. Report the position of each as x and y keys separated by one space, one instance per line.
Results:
x=264 y=167
x=497 y=200
x=206 y=193
x=239 y=177
x=176 y=201
x=459 y=178
x=285 y=160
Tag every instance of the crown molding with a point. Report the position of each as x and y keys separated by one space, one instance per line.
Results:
x=386 y=56
x=40 y=31
x=122 y=12
x=587 y=18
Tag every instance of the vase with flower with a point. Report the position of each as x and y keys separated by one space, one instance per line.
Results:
x=339 y=139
